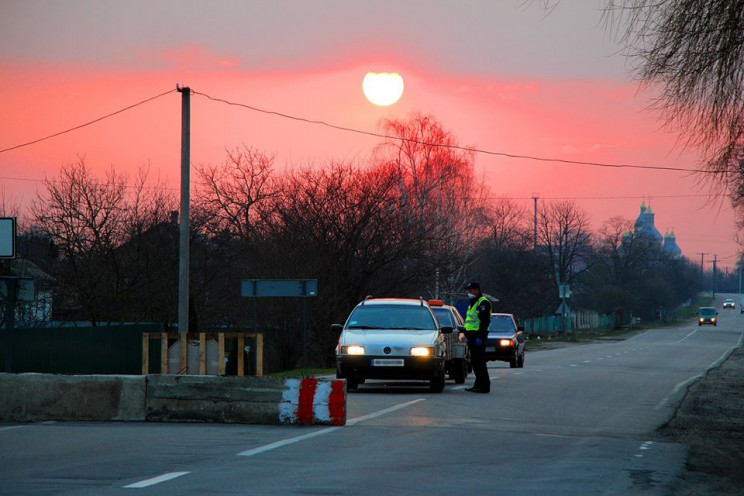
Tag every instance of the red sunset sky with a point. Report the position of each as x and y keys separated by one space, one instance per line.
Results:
x=504 y=78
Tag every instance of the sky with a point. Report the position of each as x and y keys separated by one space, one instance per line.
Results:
x=505 y=77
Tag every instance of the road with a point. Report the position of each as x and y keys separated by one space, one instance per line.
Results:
x=578 y=420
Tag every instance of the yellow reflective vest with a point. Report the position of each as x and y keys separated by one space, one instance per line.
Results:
x=472 y=322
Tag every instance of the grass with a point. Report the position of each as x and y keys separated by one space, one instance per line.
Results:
x=300 y=373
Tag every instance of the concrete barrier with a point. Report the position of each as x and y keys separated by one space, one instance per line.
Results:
x=38 y=397
x=172 y=398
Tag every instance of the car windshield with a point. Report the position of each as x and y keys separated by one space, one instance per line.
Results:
x=391 y=317
x=444 y=316
x=502 y=323
x=707 y=311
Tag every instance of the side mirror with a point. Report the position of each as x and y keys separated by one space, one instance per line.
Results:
x=446 y=329
x=460 y=328
x=337 y=327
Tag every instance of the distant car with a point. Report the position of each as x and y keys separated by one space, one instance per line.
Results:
x=392 y=338
x=458 y=365
x=729 y=303
x=505 y=340
x=707 y=316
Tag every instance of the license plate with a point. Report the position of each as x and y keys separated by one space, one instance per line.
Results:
x=387 y=362
x=490 y=348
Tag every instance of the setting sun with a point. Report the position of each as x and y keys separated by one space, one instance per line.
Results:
x=383 y=88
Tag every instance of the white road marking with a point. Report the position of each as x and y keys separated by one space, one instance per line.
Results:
x=328 y=430
x=155 y=480
x=693 y=332
x=11 y=427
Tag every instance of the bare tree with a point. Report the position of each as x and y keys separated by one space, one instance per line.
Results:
x=694 y=52
x=564 y=235
x=84 y=217
x=440 y=199
x=508 y=266
x=9 y=207
x=97 y=226
x=230 y=194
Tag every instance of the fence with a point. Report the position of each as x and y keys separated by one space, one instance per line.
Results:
x=577 y=321
x=190 y=354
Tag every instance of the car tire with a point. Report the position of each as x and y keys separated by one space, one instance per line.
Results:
x=459 y=370
x=352 y=384
x=513 y=361
x=520 y=361
x=436 y=383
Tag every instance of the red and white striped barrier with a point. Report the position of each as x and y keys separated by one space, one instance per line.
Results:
x=311 y=401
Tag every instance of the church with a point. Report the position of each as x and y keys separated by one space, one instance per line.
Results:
x=644 y=227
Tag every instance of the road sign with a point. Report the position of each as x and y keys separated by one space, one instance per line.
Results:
x=7 y=237
x=256 y=288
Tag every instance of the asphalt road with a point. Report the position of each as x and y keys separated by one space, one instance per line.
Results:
x=577 y=420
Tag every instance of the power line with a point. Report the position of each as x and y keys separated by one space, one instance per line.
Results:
x=373 y=134
x=636 y=197
x=454 y=147
x=86 y=124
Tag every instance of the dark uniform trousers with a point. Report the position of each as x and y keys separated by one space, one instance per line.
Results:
x=478 y=361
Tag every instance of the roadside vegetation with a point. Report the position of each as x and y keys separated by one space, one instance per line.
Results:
x=412 y=220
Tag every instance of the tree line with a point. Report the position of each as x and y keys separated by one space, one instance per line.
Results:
x=411 y=221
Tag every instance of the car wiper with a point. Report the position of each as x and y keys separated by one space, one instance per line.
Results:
x=363 y=327
x=407 y=329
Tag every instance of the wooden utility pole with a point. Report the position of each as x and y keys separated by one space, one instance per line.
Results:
x=183 y=247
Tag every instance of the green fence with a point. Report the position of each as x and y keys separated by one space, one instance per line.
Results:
x=579 y=321
x=114 y=349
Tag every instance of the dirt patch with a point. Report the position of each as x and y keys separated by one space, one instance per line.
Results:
x=710 y=421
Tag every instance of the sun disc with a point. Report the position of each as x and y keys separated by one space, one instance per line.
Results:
x=382 y=88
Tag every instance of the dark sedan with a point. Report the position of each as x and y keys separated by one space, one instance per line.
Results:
x=505 y=340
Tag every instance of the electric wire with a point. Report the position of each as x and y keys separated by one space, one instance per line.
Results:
x=28 y=143
x=454 y=147
x=373 y=134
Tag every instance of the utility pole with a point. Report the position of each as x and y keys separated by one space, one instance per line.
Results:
x=183 y=247
x=702 y=264
x=534 y=245
x=715 y=259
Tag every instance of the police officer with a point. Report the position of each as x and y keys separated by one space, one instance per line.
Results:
x=477 y=323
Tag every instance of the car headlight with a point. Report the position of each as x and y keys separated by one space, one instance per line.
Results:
x=701 y=319
x=713 y=319
x=353 y=349
x=506 y=342
x=422 y=351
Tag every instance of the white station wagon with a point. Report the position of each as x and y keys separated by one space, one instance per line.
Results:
x=393 y=339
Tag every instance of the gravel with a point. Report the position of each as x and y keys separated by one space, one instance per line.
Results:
x=710 y=421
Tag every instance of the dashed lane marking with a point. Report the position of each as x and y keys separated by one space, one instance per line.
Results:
x=155 y=480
